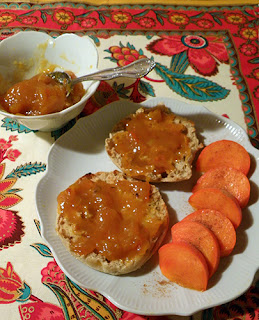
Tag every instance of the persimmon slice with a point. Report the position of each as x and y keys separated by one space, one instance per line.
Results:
x=201 y=238
x=220 y=225
x=223 y=153
x=183 y=264
x=217 y=199
x=229 y=179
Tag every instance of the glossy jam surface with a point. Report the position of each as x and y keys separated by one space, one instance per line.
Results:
x=109 y=219
x=38 y=96
x=151 y=143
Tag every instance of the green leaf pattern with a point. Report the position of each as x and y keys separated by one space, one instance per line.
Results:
x=27 y=170
x=190 y=86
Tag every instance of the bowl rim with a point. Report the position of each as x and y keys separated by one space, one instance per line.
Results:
x=88 y=93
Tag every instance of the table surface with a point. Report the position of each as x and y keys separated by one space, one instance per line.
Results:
x=214 y=48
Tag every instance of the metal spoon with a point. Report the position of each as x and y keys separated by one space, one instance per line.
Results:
x=136 y=69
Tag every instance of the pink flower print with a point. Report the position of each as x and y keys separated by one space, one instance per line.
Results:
x=147 y=22
x=4 y=145
x=8 y=199
x=88 y=22
x=29 y=20
x=248 y=49
x=10 y=283
x=125 y=55
x=40 y=310
x=12 y=154
x=205 y=23
x=5 y=149
x=13 y=138
x=53 y=274
x=11 y=228
x=202 y=52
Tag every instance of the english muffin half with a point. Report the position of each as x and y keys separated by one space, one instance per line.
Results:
x=110 y=222
x=154 y=145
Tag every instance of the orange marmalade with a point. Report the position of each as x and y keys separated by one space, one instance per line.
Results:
x=152 y=143
x=111 y=219
x=39 y=95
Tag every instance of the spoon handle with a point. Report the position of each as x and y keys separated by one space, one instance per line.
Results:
x=136 y=69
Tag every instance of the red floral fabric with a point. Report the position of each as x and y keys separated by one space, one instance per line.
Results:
x=203 y=39
x=187 y=28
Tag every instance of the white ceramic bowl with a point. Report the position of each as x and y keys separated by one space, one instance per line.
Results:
x=29 y=52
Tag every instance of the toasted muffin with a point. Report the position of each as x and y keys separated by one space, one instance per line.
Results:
x=110 y=222
x=154 y=145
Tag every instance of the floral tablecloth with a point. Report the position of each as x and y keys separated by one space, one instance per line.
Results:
x=205 y=56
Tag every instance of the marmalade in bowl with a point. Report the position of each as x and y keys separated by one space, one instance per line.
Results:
x=40 y=95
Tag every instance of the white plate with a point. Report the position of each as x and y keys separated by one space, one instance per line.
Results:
x=147 y=291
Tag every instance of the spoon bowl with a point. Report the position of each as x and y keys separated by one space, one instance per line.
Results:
x=136 y=69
